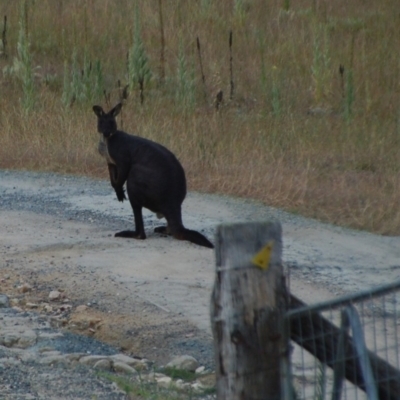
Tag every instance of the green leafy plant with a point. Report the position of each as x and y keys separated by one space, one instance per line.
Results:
x=176 y=373
x=286 y=5
x=22 y=68
x=240 y=10
x=349 y=95
x=150 y=390
x=82 y=84
x=186 y=88
x=275 y=93
x=139 y=72
x=321 y=62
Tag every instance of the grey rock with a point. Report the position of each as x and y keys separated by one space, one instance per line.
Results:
x=91 y=360
x=164 y=382
x=25 y=355
x=4 y=301
x=136 y=363
x=52 y=360
x=103 y=365
x=17 y=336
x=45 y=349
x=9 y=361
x=74 y=357
x=152 y=377
x=50 y=353
x=125 y=368
x=198 y=387
x=49 y=335
x=185 y=362
x=180 y=384
x=200 y=370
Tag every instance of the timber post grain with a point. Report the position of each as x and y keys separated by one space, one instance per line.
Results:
x=247 y=307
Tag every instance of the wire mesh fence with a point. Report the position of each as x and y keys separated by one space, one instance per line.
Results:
x=345 y=349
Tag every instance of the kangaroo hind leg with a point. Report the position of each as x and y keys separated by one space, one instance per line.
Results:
x=139 y=232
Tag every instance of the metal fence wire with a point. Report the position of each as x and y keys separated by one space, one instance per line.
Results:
x=347 y=348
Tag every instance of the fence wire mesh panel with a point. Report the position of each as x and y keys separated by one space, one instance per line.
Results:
x=345 y=349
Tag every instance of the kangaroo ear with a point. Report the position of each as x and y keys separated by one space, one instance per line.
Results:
x=116 y=110
x=98 y=111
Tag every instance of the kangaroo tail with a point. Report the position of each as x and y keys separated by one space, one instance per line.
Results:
x=194 y=237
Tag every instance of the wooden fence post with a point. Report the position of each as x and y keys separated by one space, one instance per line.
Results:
x=247 y=307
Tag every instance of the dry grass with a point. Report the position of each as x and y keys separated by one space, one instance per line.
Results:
x=284 y=139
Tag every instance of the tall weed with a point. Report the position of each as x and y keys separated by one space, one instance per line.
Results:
x=22 y=68
x=82 y=83
x=139 y=72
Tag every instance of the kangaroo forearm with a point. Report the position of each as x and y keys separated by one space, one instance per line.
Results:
x=113 y=170
x=118 y=176
x=116 y=182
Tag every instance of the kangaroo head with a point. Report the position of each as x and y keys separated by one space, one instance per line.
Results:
x=106 y=123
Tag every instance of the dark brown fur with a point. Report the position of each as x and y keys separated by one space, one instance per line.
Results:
x=154 y=178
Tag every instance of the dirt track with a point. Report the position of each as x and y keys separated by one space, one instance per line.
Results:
x=151 y=298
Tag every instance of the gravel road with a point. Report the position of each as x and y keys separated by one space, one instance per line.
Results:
x=153 y=296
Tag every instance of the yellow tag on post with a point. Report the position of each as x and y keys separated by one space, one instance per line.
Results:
x=262 y=258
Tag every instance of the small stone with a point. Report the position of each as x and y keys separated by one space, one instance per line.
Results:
x=65 y=307
x=58 y=322
x=4 y=302
x=187 y=363
x=198 y=387
x=83 y=322
x=50 y=353
x=54 y=295
x=46 y=335
x=25 y=287
x=74 y=357
x=150 y=377
x=157 y=375
x=139 y=365
x=91 y=360
x=10 y=361
x=51 y=360
x=18 y=337
x=27 y=339
x=14 y=302
x=208 y=380
x=27 y=356
x=200 y=370
x=47 y=308
x=32 y=305
x=125 y=368
x=142 y=366
x=81 y=308
x=46 y=349
x=164 y=382
x=180 y=384
x=103 y=365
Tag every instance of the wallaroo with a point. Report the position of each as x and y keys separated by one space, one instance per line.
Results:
x=154 y=178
